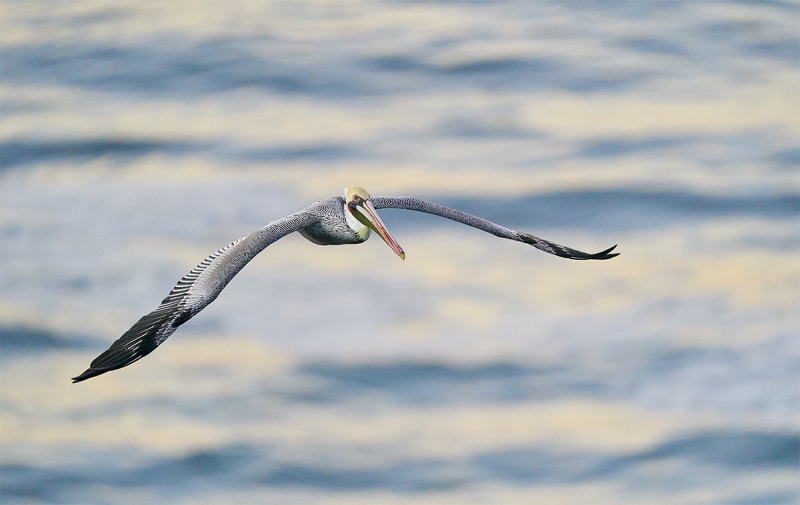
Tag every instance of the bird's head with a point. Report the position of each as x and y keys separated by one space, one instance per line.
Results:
x=357 y=202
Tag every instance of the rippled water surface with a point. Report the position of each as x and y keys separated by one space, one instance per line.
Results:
x=137 y=138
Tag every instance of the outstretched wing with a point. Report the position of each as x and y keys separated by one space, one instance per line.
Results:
x=411 y=203
x=193 y=292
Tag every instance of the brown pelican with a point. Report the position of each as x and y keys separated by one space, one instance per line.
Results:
x=334 y=221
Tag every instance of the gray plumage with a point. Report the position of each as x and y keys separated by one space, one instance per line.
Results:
x=411 y=203
x=325 y=223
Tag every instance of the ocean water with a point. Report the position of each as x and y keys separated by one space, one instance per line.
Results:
x=136 y=138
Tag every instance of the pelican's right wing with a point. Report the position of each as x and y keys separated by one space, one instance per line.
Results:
x=416 y=204
x=193 y=292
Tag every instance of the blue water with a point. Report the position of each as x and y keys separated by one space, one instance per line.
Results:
x=137 y=139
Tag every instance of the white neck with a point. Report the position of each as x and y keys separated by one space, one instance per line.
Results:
x=354 y=224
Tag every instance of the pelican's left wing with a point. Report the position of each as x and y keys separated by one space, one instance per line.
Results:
x=416 y=204
x=193 y=292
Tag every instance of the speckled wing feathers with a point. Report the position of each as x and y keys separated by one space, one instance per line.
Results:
x=411 y=203
x=192 y=293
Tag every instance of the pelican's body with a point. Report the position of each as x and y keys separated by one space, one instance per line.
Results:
x=336 y=225
x=334 y=221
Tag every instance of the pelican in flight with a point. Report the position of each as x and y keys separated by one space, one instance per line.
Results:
x=334 y=221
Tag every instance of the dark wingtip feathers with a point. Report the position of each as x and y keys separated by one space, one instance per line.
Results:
x=564 y=251
x=134 y=344
x=602 y=255
x=574 y=254
x=88 y=374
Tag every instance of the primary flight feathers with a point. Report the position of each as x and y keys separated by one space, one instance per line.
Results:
x=334 y=221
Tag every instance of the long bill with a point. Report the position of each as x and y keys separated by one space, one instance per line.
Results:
x=368 y=211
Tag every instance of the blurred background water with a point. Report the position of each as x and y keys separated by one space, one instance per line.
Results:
x=138 y=137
